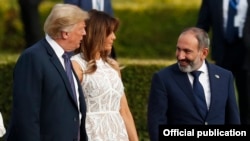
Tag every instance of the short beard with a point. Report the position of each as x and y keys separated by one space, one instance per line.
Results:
x=189 y=68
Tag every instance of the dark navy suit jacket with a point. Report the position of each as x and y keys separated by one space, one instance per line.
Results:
x=211 y=15
x=171 y=100
x=246 y=38
x=43 y=105
x=87 y=5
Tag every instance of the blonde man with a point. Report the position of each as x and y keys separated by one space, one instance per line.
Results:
x=44 y=108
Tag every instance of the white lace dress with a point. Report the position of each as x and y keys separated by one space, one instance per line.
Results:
x=102 y=91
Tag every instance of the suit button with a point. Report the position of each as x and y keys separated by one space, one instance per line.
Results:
x=75 y=119
x=206 y=123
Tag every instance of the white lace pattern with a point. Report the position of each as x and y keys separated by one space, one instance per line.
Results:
x=102 y=91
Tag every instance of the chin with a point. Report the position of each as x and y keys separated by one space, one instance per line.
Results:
x=185 y=68
x=108 y=49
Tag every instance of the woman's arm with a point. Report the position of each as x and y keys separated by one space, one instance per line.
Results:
x=128 y=119
x=78 y=70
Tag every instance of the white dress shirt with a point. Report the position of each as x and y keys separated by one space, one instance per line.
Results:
x=98 y=5
x=204 y=80
x=240 y=17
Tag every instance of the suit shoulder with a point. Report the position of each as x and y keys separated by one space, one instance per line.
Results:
x=37 y=50
x=168 y=69
x=220 y=69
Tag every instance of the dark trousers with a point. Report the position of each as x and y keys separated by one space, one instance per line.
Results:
x=31 y=20
x=234 y=60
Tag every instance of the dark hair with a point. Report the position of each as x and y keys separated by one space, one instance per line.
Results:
x=98 y=27
x=200 y=34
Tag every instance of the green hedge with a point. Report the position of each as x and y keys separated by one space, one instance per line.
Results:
x=148 y=30
x=6 y=70
x=136 y=80
x=6 y=90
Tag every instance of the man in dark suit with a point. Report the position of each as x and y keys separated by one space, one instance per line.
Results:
x=172 y=99
x=230 y=53
x=101 y=5
x=246 y=39
x=44 y=103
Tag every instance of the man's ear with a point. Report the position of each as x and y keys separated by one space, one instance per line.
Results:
x=64 y=35
x=205 y=52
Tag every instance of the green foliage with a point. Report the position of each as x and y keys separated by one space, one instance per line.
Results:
x=137 y=79
x=5 y=91
x=152 y=34
x=5 y=87
x=149 y=28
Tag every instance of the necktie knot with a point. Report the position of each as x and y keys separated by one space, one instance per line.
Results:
x=196 y=74
x=67 y=55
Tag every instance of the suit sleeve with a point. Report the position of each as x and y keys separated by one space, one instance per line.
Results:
x=157 y=107
x=232 y=112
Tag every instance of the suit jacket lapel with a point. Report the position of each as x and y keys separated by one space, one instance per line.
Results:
x=55 y=61
x=182 y=80
x=214 y=80
x=183 y=83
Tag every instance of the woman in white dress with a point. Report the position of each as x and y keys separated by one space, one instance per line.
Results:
x=108 y=115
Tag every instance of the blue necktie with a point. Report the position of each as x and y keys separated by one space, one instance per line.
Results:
x=199 y=93
x=231 y=33
x=68 y=67
x=66 y=56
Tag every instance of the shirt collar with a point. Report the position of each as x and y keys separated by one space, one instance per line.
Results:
x=203 y=67
x=55 y=46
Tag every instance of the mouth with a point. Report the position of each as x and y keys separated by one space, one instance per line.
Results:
x=183 y=63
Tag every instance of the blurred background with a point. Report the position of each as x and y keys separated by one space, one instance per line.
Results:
x=145 y=42
x=149 y=28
